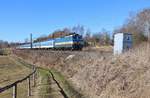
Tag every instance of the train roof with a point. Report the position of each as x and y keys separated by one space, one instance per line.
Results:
x=70 y=34
x=50 y=39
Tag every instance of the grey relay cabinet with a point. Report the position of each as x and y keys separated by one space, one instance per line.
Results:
x=122 y=42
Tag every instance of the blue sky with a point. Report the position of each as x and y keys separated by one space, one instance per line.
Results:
x=19 y=18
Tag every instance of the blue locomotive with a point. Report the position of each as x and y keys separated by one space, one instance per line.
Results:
x=72 y=41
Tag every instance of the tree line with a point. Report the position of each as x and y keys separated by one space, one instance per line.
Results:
x=6 y=44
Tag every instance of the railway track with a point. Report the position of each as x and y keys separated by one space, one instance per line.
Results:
x=66 y=51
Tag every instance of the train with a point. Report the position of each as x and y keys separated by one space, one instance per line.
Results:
x=72 y=41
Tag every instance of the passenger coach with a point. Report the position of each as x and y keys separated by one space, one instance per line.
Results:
x=72 y=41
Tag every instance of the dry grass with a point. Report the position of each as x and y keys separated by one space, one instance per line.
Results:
x=11 y=71
x=99 y=74
x=124 y=76
x=99 y=48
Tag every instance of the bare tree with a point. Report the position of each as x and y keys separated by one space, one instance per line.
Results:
x=87 y=35
x=139 y=25
x=79 y=29
x=104 y=37
x=4 y=44
x=66 y=30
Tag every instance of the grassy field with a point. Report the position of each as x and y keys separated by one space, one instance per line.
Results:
x=12 y=70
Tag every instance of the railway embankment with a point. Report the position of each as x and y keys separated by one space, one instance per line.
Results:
x=100 y=74
x=68 y=63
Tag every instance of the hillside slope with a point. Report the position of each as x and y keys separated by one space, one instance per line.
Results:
x=99 y=74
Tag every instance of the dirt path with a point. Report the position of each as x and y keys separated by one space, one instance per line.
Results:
x=46 y=87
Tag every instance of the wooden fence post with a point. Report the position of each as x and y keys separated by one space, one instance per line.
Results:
x=15 y=91
x=29 y=86
x=33 y=79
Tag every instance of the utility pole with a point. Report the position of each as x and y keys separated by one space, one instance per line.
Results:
x=148 y=49
x=149 y=36
x=31 y=40
x=147 y=28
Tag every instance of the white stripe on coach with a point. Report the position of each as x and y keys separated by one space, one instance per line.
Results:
x=63 y=43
